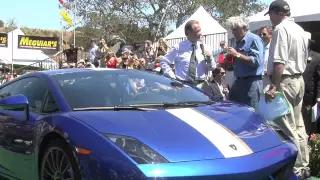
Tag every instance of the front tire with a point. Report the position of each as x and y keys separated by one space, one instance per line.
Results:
x=58 y=163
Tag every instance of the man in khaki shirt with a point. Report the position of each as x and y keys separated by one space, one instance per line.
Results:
x=287 y=61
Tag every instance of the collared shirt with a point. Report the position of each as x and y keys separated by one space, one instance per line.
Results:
x=92 y=53
x=180 y=56
x=221 y=89
x=251 y=45
x=266 y=56
x=289 y=46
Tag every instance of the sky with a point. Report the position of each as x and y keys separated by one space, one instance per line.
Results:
x=42 y=14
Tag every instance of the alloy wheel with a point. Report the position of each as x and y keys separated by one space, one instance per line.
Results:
x=56 y=165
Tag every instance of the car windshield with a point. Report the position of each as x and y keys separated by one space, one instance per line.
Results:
x=109 y=88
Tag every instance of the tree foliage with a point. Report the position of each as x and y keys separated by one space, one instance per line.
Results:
x=1 y=24
x=117 y=16
x=10 y=25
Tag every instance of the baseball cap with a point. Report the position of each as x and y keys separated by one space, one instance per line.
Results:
x=279 y=6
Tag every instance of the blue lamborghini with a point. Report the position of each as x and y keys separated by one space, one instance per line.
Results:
x=116 y=124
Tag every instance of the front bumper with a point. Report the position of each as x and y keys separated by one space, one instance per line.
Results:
x=264 y=165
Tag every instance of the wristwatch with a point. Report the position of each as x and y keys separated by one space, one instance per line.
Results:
x=238 y=55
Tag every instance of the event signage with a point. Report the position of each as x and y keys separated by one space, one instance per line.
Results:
x=3 y=40
x=38 y=42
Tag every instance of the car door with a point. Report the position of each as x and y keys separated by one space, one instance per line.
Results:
x=17 y=135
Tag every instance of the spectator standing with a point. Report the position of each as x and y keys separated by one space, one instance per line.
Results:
x=93 y=49
x=265 y=32
x=311 y=96
x=248 y=64
x=287 y=61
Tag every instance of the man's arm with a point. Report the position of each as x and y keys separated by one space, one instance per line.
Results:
x=255 y=54
x=167 y=60
x=277 y=74
x=213 y=64
x=279 y=55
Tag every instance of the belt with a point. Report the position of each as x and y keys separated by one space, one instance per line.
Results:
x=287 y=75
x=249 y=77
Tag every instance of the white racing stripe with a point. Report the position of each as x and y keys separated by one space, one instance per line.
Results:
x=104 y=69
x=229 y=144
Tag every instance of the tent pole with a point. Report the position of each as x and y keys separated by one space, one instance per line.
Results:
x=12 y=51
x=162 y=18
x=158 y=29
x=74 y=22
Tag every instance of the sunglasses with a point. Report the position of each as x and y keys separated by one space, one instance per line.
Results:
x=263 y=34
x=222 y=73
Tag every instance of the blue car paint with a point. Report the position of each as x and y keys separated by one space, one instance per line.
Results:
x=173 y=138
x=249 y=126
x=256 y=166
x=80 y=129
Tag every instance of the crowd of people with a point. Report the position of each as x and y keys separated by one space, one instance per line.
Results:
x=128 y=57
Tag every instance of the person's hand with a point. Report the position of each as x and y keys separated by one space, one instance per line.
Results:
x=232 y=51
x=206 y=53
x=270 y=94
x=225 y=91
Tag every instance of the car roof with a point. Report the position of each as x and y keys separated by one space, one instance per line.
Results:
x=71 y=70
x=49 y=73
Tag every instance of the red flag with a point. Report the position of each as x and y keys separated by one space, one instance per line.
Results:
x=61 y=2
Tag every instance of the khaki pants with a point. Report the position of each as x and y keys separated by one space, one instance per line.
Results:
x=292 y=124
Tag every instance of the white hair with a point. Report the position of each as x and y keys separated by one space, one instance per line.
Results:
x=238 y=22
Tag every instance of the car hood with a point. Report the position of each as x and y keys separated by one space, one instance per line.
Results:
x=222 y=130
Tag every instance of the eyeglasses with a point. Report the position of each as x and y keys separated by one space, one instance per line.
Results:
x=263 y=34
x=223 y=73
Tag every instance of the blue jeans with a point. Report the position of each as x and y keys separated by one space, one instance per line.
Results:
x=247 y=91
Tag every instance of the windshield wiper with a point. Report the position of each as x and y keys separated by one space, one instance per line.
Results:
x=189 y=103
x=146 y=107
x=115 y=108
x=176 y=104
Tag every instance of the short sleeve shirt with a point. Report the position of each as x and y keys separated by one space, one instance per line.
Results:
x=289 y=46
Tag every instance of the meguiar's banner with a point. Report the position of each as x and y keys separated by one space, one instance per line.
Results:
x=38 y=42
x=3 y=40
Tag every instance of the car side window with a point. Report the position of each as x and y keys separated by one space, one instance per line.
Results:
x=50 y=105
x=7 y=90
x=34 y=89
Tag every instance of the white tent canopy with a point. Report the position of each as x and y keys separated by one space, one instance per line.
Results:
x=208 y=25
x=301 y=11
x=20 y=56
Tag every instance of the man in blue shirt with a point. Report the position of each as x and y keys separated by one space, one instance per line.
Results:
x=248 y=64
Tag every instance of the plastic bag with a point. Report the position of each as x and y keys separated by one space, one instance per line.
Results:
x=275 y=109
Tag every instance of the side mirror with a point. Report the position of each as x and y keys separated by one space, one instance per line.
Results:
x=14 y=105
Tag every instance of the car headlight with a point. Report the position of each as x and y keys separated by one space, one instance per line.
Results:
x=282 y=136
x=139 y=152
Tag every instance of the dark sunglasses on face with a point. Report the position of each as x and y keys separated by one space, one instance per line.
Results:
x=223 y=73
x=263 y=34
